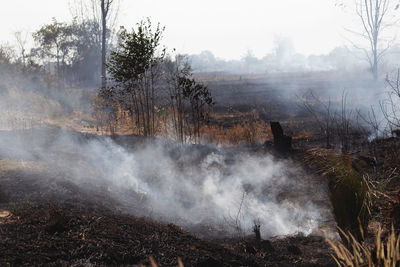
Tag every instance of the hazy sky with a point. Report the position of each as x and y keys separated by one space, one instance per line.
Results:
x=228 y=28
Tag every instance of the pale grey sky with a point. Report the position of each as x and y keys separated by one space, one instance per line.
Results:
x=228 y=28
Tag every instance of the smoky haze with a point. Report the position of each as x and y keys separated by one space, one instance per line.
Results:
x=190 y=185
x=228 y=28
x=228 y=189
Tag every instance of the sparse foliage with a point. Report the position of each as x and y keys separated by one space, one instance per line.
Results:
x=198 y=98
x=174 y=71
x=21 y=39
x=55 y=42
x=337 y=122
x=188 y=99
x=390 y=106
x=73 y=47
x=323 y=115
x=135 y=72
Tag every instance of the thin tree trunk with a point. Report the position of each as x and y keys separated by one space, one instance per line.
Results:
x=152 y=102
x=104 y=11
x=375 y=66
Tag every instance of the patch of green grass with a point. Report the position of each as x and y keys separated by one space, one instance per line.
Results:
x=350 y=191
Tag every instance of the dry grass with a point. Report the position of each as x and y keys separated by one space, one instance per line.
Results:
x=9 y=165
x=247 y=129
x=153 y=262
x=391 y=157
x=351 y=193
x=356 y=254
x=27 y=110
x=256 y=132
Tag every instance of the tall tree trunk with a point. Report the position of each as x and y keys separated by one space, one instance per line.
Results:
x=153 y=122
x=375 y=65
x=104 y=11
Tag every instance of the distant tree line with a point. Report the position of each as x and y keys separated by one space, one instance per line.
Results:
x=71 y=51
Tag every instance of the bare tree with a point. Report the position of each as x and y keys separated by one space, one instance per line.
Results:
x=376 y=17
x=390 y=106
x=322 y=113
x=105 y=9
x=21 y=38
x=344 y=127
x=337 y=122
x=373 y=120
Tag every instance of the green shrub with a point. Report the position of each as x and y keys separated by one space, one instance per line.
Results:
x=349 y=190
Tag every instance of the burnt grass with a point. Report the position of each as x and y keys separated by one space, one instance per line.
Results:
x=57 y=223
x=60 y=224
x=87 y=232
x=277 y=96
x=62 y=235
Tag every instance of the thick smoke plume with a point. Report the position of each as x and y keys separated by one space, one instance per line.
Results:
x=193 y=186
x=188 y=185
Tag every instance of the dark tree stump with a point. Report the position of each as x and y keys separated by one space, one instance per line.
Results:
x=282 y=142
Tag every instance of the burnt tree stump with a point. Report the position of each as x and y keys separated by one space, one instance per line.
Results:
x=282 y=142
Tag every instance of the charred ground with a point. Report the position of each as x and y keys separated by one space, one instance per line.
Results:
x=51 y=220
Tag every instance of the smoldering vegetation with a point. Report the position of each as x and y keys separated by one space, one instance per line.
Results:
x=213 y=191
x=226 y=190
x=194 y=148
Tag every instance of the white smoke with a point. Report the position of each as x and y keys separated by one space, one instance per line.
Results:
x=187 y=185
